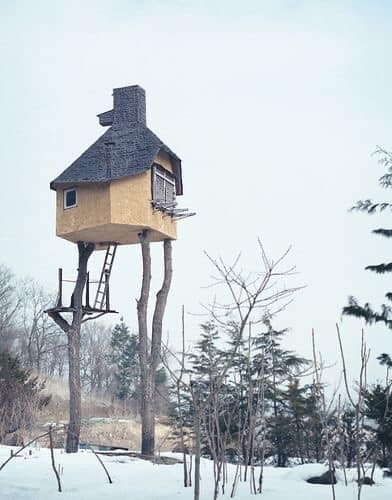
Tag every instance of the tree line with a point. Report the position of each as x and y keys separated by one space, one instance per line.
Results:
x=273 y=407
x=33 y=348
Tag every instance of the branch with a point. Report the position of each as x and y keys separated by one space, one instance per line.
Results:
x=60 y=321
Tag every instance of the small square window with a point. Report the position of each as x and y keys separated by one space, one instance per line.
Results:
x=70 y=199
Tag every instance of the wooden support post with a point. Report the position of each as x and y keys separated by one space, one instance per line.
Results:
x=107 y=296
x=72 y=330
x=60 y=297
x=88 y=291
x=56 y=472
x=150 y=352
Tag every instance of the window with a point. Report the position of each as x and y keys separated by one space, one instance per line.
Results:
x=70 y=199
x=164 y=187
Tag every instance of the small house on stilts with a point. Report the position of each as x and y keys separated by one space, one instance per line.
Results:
x=121 y=191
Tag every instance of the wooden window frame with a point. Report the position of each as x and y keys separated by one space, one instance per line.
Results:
x=168 y=178
x=65 y=192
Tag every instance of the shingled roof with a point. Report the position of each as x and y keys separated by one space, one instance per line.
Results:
x=128 y=148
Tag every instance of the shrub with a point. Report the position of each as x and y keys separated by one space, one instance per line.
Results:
x=20 y=396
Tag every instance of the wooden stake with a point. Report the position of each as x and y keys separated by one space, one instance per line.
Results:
x=52 y=459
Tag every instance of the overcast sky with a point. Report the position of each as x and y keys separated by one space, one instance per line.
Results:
x=275 y=109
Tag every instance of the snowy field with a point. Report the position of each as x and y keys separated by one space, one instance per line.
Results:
x=30 y=477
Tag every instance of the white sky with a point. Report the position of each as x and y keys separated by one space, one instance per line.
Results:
x=275 y=109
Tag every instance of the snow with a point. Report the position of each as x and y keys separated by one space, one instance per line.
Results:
x=30 y=477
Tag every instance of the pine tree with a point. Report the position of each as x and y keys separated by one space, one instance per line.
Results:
x=280 y=366
x=206 y=364
x=296 y=398
x=349 y=435
x=366 y=311
x=243 y=389
x=313 y=427
x=378 y=408
x=232 y=408
x=207 y=358
x=124 y=356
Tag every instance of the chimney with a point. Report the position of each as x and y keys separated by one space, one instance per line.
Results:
x=129 y=106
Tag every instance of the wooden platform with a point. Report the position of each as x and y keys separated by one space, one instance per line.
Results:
x=86 y=310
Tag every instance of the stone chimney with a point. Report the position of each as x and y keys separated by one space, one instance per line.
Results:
x=129 y=107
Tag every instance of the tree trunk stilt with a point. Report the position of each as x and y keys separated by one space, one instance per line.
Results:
x=75 y=399
x=73 y=334
x=150 y=357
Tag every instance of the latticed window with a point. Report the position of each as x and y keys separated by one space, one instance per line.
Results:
x=164 y=186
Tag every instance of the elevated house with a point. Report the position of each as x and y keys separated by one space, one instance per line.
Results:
x=124 y=183
x=122 y=190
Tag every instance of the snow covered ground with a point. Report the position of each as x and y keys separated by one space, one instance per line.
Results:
x=30 y=477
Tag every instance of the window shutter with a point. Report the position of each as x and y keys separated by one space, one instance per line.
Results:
x=159 y=185
x=169 y=192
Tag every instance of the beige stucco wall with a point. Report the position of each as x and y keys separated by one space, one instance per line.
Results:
x=93 y=208
x=115 y=212
x=131 y=205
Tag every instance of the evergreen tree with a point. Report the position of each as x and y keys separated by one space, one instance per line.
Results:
x=232 y=408
x=349 y=435
x=243 y=390
x=280 y=366
x=206 y=365
x=124 y=356
x=207 y=359
x=366 y=311
x=378 y=408
x=296 y=398
x=313 y=427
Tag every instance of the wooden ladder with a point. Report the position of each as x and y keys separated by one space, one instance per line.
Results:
x=101 y=298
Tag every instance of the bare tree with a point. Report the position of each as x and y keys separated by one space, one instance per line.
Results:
x=72 y=330
x=357 y=405
x=38 y=336
x=97 y=374
x=324 y=409
x=250 y=296
x=9 y=306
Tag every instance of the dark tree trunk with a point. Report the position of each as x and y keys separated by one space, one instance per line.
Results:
x=150 y=358
x=75 y=400
x=73 y=334
x=147 y=411
x=148 y=417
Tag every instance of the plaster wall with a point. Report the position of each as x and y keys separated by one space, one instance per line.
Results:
x=93 y=208
x=131 y=205
x=115 y=212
